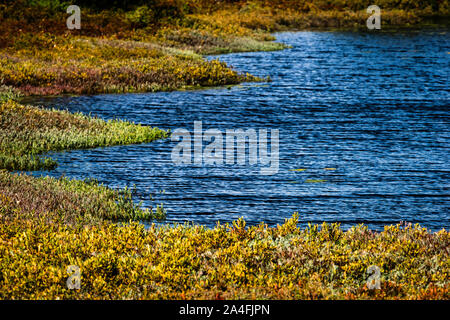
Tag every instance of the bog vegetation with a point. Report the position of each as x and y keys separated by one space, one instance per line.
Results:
x=151 y=45
x=27 y=132
x=47 y=224
x=227 y=262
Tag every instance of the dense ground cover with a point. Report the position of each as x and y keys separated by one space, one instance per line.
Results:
x=26 y=132
x=40 y=56
x=85 y=65
x=129 y=45
x=227 y=262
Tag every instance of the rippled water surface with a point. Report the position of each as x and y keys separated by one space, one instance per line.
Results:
x=374 y=107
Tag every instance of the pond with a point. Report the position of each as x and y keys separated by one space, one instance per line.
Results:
x=364 y=134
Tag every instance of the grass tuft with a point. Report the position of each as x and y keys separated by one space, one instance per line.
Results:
x=26 y=132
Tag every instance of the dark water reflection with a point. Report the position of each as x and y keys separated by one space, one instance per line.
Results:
x=373 y=106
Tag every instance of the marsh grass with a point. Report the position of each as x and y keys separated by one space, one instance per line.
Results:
x=47 y=224
x=87 y=65
x=27 y=132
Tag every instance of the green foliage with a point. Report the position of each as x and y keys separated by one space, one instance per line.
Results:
x=52 y=5
x=68 y=201
x=141 y=16
x=26 y=132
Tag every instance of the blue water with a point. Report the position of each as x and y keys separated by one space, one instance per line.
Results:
x=374 y=106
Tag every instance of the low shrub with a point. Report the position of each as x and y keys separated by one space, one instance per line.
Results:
x=226 y=262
